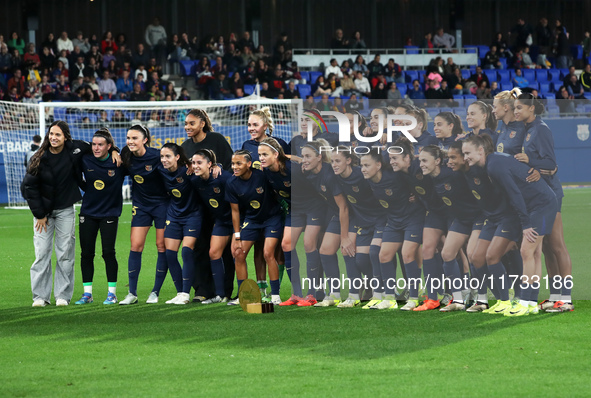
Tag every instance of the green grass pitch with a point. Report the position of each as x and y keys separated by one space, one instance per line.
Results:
x=161 y=350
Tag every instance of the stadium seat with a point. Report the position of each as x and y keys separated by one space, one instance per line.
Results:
x=563 y=73
x=249 y=89
x=402 y=88
x=412 y=49
x=576 y=51
x=545 y=87
x=422 y=74
x=534 y=86
x=459 y=98
x=553 y=109
x=506 y=86
x=432 y=112
x=491 y=74
x=504 y=76
x=465 y=73
x=503 y=62
x=461 y=112
x=411 y=75
x=471 y=49
x=555 y=86
x=587 y=108
x=553 y=74
x=186 y=67
x=469 y=98
x=314 y=75
x=529 y=74
x=305 y=75
x=550 y=100
x=541 y=75
x=445 y=110
x=482 y=50
x=305 y=90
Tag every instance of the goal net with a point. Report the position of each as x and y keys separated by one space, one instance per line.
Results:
x=20 y=122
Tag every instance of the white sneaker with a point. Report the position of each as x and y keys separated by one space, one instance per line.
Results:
x=234 y=302
x=152 y=298
x=216 y=299
x=410 y=305
x=61 y=302
x=349 y=303
x=275 y=299
x=129 y=299
x=39 y=303
x=453 y=306
x=386 y=305
x=329 y=301
x=180 y=299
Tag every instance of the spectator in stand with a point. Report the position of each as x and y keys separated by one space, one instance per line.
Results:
x=233 y=59
x=59 y=70
x=219 y=47
x=561 y=27
x=249 y=73
x=428 y=43
x=575 y=88
x=417 y=93
x=334 y=69
x=246 y=41
x=124 y=85
x=478 y=77
x=436 y=67
x=247 y=56
x=81 y=42
x=586 y=78
x=17 y=81
x=184 y=95
x=443 y=40
x=154 y=67
x=565 y=101
x=220 y=87
x=377 y=79
x=571 y=72
x=137 y=94
x=236 y=84
x=121 y=40
x=140 y=57
x=324 y=104
x=119 y=120
x=64 y=43
x=107 y=87
x=338 y=41
x=394 y=95
x=491 y=59
x=292 y=72
x=122 y=58
x=362 y=84
x=92 y=69
x=64 y=93
x=31 y=55
x=73 y=56
x=520 y=33
x=16 y=43
x=291 y=92
x=526 y=59
x=12 y=95
x=45 y=87
x=357 y=43
x=96 y=54
x=112 y=69
x=346 y=67
x=348 y=84
x=31 y=73
x=494 y=89
x=50 y=43
x=483 y=92
x=5 y=59
x=562 y=48
x=175 y=51
x=94 y=41
x=322 y=87
x=457 y=82
x=64 y=58
x=393 y=72
x=261 y=54
x=519 y=80
x=449 y=68
x=283 y=41
x=142 y=82
x=155 y=38
x=108 y=57
x=338 y=105
x=267 y=91
x=77 y=83
x=108 y=41
x=219 y=66
x=334 y=85
x=501 y=45
x=154 y=120
x=47 y=59
x=359 y=66
x=188 y=46
x=586 y=43
x=544 y=40
x=375 y=67
x=309 y=103
x=433 y=92
x=518 y=59
x=353 y=105
x=380 y=92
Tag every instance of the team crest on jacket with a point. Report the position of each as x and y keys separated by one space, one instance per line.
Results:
x=477 y=181
x=355 y=188
x=512 y=134
x=528 y=136
x=419 y=176
x=179 y=180
x=388 y=192
x=287 y=184
x=76 y=151
x=583 y=132
x=216 y=189
x=260 y=190
x=111 y=173
x=323 y=188
x=138 y=178
x=81 y=219
x=148 y=167
x=447 y=187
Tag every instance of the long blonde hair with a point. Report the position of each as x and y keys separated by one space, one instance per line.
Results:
x=265 y=115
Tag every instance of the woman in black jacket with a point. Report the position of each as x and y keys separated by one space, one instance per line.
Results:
x=51 y=187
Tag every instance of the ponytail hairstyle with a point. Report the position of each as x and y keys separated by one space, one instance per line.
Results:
x=245 y=153
x=281 y=158
x=421 y=116
x=452 y=118
x=529 y=100
x=482 y=141
x=486 y=109
x=207 y=154
x=104 y=132
x=177 y=150
x=33 y=168
x=201 y=114
x=378 y=158
x=126 y=153
x=265 y=115
x=361 y=120
x=436 y=152
x=348 y=153
x=407 y=147
x=508 y=97
x=315 y=146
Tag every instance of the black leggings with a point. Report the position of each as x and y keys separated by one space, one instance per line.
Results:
x=89 y=228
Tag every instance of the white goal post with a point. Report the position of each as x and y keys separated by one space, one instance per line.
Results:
x=20 y=122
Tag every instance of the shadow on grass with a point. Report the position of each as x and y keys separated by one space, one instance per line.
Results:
x=332 y=332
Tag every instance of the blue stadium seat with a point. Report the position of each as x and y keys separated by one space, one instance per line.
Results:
x=563 y=73
x=587 y=108
x=422 y=74
x=305 y=90
x=553 y=109
x=503 y=62
x=553 y=74
x=550 y=100
x=402 y=88
x=305 y=75
x=314 y=75
x=445 y=110
x=465 y=73
x=541 y=75
x=482 y=50
x=461 y=112
x=471 y=49
x=432 y=112
x=577 y=51
x=504 y=76
x=555 y=86
x=249 y=89
x=411 y=75
x=186 y=67
x=545 y=87
x=412 y=49
x=529 y=74
x=534 y=86
x=506 y=86
x=469 y=98
x=491 y=74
